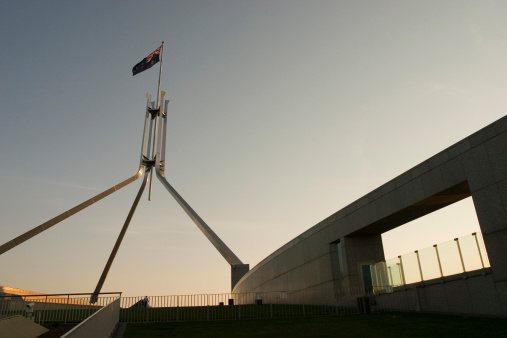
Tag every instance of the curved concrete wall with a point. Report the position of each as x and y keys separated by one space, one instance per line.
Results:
x=475 y=166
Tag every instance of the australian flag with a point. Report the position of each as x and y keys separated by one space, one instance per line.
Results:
x=147 y=62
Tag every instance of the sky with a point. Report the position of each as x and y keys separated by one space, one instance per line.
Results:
x=282 y=113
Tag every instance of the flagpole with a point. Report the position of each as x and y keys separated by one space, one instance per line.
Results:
x=156 y=117
x=160 y=74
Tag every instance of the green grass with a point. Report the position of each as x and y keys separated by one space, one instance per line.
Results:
x=351 y=325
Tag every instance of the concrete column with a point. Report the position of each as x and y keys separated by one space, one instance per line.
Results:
x=490 y=205
x=356 y=249
x=237 y=272
x=486 y=167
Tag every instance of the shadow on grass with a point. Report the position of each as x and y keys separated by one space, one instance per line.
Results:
x=375 y=325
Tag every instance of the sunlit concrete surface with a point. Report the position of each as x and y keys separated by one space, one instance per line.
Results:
x=19 y=327
x=100 y=324
x=328 y=256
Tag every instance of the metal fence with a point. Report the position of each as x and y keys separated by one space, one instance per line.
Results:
x=460 y=255
x=206 y=307
x=62 y=308
x=235 y=306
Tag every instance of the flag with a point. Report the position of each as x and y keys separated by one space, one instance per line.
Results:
x=147 y=62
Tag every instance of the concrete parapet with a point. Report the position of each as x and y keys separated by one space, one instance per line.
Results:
x=101 y=324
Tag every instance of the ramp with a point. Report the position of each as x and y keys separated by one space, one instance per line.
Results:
x=19 y=327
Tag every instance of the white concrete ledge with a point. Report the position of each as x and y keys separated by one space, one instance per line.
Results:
x=101 y=324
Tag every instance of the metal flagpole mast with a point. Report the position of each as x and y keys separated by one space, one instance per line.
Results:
x=160 y=74
x=150 y=159
x=157 y=106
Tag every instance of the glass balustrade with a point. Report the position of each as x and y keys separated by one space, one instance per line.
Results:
x=456 y=256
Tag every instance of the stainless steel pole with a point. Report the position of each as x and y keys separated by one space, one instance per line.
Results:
x=460 y=255
x=44 y=226
x=102 y=279
x=144 y=155
x=156 y=117
x=438 y=259
x=402 y=271
x=160 y=73
x=419 y=263
x=224 y=250
x=478 y=248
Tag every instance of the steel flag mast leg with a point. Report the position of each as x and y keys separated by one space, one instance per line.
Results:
x=44 y=226
x=146 y=159
x=102 y=279
x=238 y=269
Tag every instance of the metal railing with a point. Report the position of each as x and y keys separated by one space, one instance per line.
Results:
x=453 y=257
x=208 y=307
x=62 y=308
x=260 y=305
x=460 y=255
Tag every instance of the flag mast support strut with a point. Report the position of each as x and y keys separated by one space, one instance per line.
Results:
x=151 y=159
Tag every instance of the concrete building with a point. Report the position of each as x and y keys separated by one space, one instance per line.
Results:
x=331 y=256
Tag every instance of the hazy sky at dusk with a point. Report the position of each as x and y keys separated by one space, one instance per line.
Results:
x=282 y=112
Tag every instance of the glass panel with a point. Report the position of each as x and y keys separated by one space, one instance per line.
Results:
x=449 y=258
x=429 y=263
x=470 y=253
x=380 y=274
x=411 y=268
x=367 y=280
x=394 y=271
x=390 y=273
x=374 y=274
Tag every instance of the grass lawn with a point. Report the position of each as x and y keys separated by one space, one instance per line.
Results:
x=354 y=325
